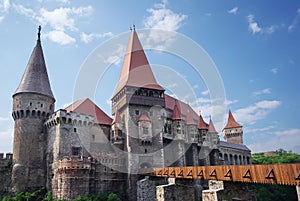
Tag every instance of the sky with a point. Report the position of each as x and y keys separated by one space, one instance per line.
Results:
x=255 y=46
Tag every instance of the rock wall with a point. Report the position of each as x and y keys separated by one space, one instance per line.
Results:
x=5 y=173
x=219 y=190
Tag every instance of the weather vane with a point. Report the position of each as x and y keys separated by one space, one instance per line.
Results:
x=39 y=32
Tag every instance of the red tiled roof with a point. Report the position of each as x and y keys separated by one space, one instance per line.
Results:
x=35 y=78
x=184 y=107
x=211 y=127
x=117 y=118
x=231 y=123
x=176 y=112
x=136 y=70
x=189 y=118
x=144 y=117
x=88 y=107
x=201 y=123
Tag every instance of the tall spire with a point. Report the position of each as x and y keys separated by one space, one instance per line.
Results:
x=35 y=78
x=136 y=70
x=231 y=123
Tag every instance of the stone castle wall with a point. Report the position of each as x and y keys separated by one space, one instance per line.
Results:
x=5 y=173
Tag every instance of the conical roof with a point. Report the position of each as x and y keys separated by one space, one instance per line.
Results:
x=136 y=70
x=117 y=118
x=176 y=112
x=35 y=78
x=231 y=123
x=201 y=123
x=211 y=127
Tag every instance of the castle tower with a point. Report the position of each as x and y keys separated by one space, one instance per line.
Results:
x=139 y=100
x=214 y=141
x=233 y=131
x=33 y=102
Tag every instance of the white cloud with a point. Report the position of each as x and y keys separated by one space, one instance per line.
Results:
x=257 y=111
x=4 y=7
x=163 y=18
x=263 y=91
x=274 y=70
x=295 y=21
x=204 y=93
x=115 y=57
x=61 y=20
x=286 y=139
x=59 y=37
x=233 y=10
x=254 y=27
x=87 y=38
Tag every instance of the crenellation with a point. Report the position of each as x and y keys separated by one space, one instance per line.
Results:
x=81 y=150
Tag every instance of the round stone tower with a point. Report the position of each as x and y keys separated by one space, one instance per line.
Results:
x=33 y=102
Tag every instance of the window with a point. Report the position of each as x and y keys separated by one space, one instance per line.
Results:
x=151 y=113
x=42 y=105
x=75 y=130
x=137 y=112
x=145 y=130
x=30 y=104
x=93 y=137
x=76 y=151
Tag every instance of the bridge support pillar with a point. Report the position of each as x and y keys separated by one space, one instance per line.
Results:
x=298 y=192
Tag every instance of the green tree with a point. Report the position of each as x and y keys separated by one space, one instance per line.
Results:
x=268 y=192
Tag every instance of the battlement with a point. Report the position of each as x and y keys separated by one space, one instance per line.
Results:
x=62 y=116
x=75 y=163
x=4 y=160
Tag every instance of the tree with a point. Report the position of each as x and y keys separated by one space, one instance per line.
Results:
x=268 y=192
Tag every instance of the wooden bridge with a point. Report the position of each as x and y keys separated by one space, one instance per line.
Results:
x=285 y=174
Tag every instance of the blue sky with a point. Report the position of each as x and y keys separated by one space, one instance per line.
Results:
x=254 y=44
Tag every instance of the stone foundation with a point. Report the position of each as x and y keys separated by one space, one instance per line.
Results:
x=219 y=190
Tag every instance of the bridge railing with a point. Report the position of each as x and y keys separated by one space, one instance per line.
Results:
x=285 y=174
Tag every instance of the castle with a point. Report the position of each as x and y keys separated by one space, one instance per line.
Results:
x=81 y=150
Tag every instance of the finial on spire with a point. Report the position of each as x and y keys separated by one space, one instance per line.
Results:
x=39 y=32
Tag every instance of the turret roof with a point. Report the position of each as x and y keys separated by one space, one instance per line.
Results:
x=231 y=123
x=211 y=127
x=35 y=78
x=176 y=112
x=202 y=124
x=136 y=70
x=117 y=118
x=144 y=117
x=88 y=107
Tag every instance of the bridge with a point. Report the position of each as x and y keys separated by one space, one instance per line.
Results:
x=284 y=174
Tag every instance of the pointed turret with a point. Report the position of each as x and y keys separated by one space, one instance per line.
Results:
x=33 y=102
x=117 y=118
x=202 y=124
x=136 y=71
x=176 y=112
x=211 y=127
x=233 y=131
x=231 y=123
x=35 y=78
